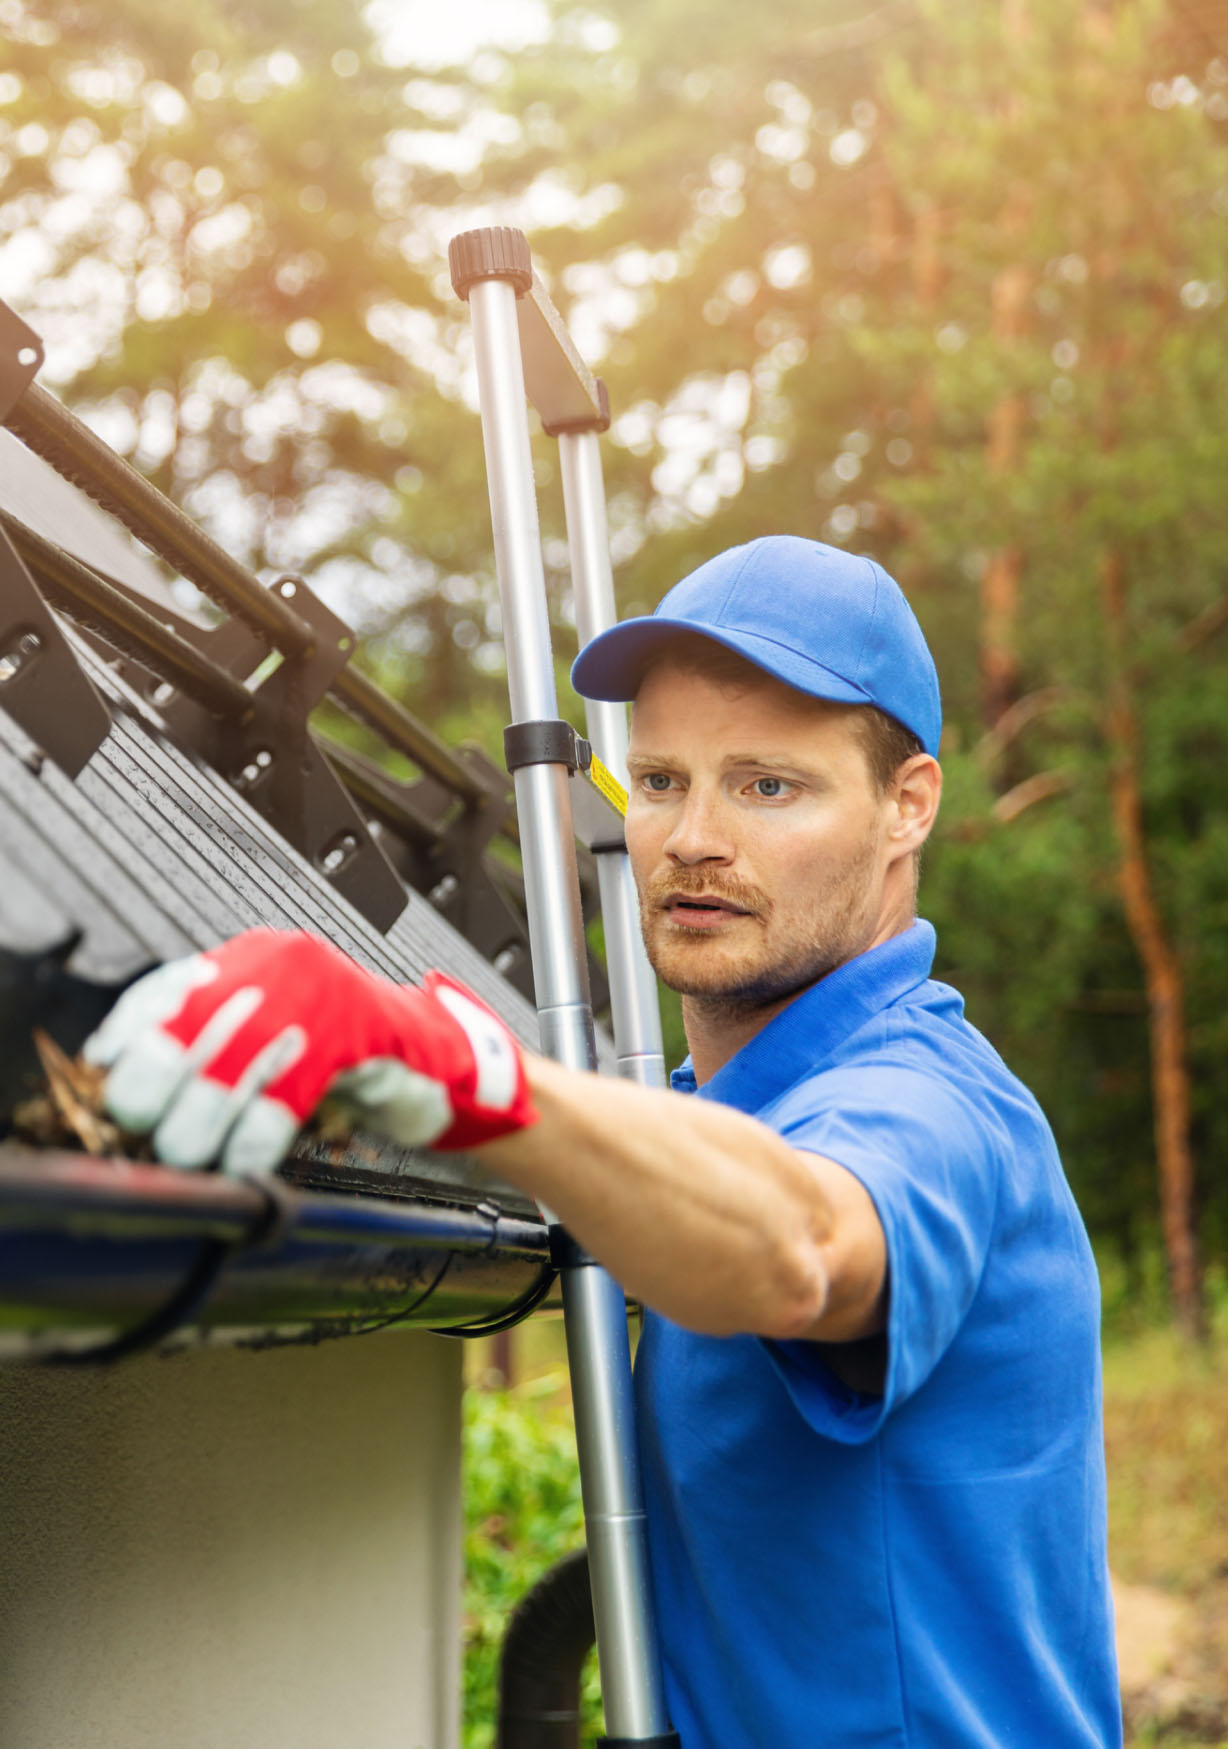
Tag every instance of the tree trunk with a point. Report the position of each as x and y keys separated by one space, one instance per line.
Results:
x=1170 y=1076
x=999 y=654
x=927 y=284
x=503 y=1357
x=1004 y=568
x=999 y=613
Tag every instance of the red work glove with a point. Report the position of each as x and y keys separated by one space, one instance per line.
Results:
x=226 y=1054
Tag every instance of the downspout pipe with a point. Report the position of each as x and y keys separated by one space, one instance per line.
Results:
x=549 y=1636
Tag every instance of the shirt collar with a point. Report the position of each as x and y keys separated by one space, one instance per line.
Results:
x=798 y=1039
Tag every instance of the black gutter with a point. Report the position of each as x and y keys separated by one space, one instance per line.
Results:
x=91 y=1249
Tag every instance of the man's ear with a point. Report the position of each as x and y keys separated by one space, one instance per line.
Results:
x=917 y=791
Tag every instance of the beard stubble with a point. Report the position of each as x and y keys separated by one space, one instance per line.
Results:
x=832 y=929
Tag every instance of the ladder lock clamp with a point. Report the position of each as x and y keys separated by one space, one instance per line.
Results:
x=551 y=742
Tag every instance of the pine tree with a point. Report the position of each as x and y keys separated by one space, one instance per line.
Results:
x=225 y=250
x=947 y=285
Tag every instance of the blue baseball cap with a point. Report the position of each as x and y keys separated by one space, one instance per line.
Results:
x=820 y=619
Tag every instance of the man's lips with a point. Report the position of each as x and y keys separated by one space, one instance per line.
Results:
x=701 y=910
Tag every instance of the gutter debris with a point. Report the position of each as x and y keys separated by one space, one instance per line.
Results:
x=69 y=1112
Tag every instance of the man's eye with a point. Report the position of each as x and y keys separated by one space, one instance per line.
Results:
x=770 y=786
x=658 y=781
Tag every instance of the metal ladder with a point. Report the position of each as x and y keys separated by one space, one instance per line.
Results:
x=524 y=353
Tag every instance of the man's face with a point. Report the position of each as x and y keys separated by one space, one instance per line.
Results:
x=757 y=838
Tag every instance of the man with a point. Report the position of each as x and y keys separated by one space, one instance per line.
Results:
x=868 y=1377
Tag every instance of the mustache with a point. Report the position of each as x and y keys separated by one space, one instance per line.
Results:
x=693 y=883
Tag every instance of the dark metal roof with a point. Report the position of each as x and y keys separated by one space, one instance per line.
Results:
x=139 y=826
x=151 y=854
x=148 y=855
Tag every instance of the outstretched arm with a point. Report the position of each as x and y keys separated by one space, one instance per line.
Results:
x=698 y=1210
x=703 y=1213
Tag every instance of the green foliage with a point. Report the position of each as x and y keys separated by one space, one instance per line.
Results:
x=522 y=1514
x=1114 y=186
x=237 y=278
x=815 y=342
x=785 y=236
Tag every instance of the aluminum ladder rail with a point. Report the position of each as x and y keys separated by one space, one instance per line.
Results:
x=522 y=349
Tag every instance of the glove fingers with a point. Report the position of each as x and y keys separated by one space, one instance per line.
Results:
x=394 y=1099
x=151 y=1070
x=156 y=997
x=205 y=1109
x=226 y=1054
x=262 y=1136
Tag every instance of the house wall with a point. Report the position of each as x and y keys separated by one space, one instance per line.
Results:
x=233 y=1550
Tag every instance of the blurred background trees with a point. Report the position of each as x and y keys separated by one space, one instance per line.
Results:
x=945 y=285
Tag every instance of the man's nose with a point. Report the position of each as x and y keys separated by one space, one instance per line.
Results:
x=699 y=831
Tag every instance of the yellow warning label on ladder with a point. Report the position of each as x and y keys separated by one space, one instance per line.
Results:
x=603 y=779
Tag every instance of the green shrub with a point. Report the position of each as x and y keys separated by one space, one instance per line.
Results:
x=522 y=1514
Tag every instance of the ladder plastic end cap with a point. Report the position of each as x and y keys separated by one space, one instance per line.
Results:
x=496 y=252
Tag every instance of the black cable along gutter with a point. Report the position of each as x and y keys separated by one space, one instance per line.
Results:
x=271 y=1225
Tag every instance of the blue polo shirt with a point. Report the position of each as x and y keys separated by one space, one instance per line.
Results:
x=924 y=1569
